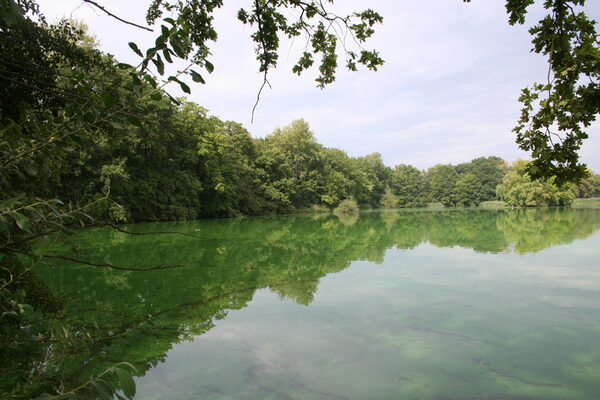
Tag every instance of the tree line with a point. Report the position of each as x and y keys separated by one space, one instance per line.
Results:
x=186 y=164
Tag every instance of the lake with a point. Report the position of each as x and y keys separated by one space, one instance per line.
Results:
x=458 y=304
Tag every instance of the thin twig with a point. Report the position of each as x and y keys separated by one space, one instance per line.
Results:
x=115 y=17
x=111 y=265
x=29 y=238
x=75 y=260
x=264 y=47
x=265 y=82
x=154 y=232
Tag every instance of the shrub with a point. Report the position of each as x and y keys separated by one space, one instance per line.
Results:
x=348 y=206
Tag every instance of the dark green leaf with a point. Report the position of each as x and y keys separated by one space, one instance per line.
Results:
x=165 y=31
x=135 y=79
x=185 y=87
x=14 y=313
x=108 y=99
x=167 y=55
x=134 y=120
x=135 y=48
x=160 y=66
x=196 y=77
x=160 y=41
x=104 y=390
x=126 y=381
x=150 y=80
x=21 y=220
x=209 y=67
x=175 y=42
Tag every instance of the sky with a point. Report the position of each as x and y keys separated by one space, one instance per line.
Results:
x=447 y=92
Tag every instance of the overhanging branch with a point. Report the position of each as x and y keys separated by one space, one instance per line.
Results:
x=93 y=3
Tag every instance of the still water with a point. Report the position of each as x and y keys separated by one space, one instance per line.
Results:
x=445 y=305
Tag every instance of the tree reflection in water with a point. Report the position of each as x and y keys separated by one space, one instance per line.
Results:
x=110 y=316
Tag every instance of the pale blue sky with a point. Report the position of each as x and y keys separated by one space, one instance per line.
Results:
x=446 y=94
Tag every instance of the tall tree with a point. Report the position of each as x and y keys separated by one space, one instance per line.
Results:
x=441 y=181
x=488 y=173
x=409 y=186
x=467 y=190
x=379 y=174
x=291 y=159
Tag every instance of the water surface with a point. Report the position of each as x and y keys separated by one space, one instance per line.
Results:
x=446 y=305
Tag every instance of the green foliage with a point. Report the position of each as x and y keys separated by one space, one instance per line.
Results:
x=410 y=186
x=487 y=172
x=289 y=160
x=492 y=204
x=341 y=177
x=441 y=181
x=589 y=186
x=189 y=33
x=593 y=202
x=466 y=184
x=467 y=190
x=379 y=175
x=556 y=113
x=105 y=386
x=517 y=189
x=347 y=206
x=389 y=199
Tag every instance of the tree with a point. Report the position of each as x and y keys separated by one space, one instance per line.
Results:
x=389 y=199
x=441 y=180
x=518 y=189
x=487 y=172
x=590 y=186
x=467 y=190
x=53 y=103
x=290 y=160
x=556 y=112
x=193 y=30
x=409 y=184
x=342 y=177
x=67 y=111
x=379 y=176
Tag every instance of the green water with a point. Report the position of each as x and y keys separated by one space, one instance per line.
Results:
x=446 y=305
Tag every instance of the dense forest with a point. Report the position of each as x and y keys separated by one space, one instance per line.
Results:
x=182 y=163
x=187 y=164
